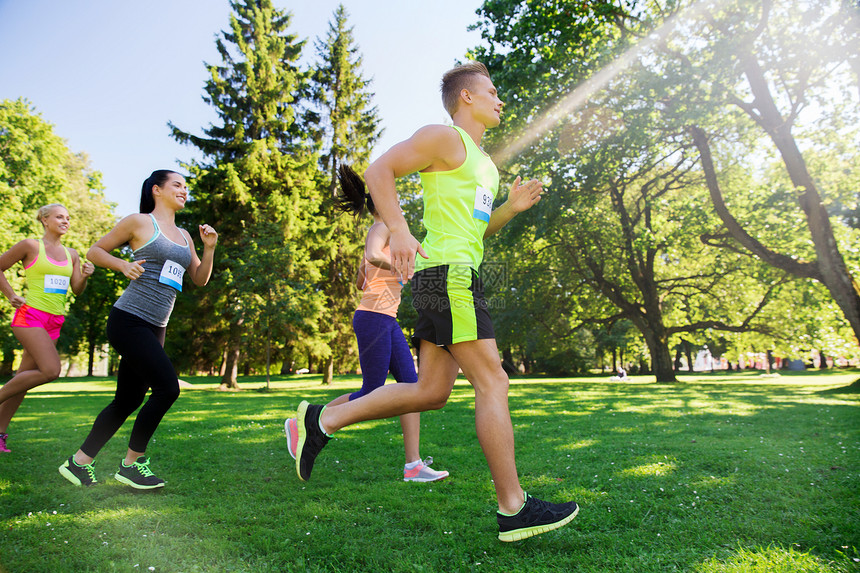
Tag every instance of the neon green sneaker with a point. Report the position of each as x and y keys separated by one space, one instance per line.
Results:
x=78 y=475
x=138 y=475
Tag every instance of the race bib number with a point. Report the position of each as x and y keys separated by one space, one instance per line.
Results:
x=483 y=204
x=171 y=274
x=56 y=284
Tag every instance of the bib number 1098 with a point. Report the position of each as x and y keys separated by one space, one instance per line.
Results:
x=171 y=274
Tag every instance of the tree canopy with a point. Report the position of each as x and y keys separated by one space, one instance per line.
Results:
x=37 y=168
x=701 y=183
x=630 y=228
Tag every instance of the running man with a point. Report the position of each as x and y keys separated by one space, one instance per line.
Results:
x=460 y=183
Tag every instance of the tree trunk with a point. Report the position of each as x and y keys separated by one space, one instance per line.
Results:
x=328 y=370
x=91 y=357
x=287 y=364
x=268 y=361
x=661 y=357
x=7 y=362
x=508 y=361
x=113 y=363
x=223 y=368
x=822 y=360
x=231 y=368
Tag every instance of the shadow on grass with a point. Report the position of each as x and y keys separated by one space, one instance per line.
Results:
x=853 y=388
x=669 y=477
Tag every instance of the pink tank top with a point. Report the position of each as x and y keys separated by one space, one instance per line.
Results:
x=381 y=289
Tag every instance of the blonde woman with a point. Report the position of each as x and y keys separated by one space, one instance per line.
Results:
x=51 y=269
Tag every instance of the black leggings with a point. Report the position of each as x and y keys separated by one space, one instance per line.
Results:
x=143 y=365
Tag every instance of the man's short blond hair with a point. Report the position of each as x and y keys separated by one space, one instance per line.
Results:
x=457 y=79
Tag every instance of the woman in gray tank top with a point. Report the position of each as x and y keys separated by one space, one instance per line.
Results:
x=163 y=254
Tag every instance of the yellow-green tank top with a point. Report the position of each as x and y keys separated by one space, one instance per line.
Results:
x=48 y=282
x=457 y=208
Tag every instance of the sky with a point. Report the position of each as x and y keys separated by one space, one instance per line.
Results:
x=110 y=74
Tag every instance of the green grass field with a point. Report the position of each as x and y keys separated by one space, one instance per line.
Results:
x=732 y=473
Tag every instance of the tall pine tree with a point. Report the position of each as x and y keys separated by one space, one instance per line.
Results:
x=257 y=184
x=348 y=128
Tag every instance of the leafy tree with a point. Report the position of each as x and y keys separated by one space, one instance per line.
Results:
x=258 y=185
x=615 y=339
x=36 y=168
x=617 y=237
x=756 y=64
x=348 y=129
x=85 y=327
x=634 y=127
x=92 y=217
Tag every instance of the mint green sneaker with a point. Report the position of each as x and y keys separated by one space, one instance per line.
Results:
x=138 y=475
x=78 y=475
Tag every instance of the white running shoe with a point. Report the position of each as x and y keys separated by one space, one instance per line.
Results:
x=423 y=472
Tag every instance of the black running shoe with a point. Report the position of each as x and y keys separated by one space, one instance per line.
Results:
x=78 y=475
x=311 y=438
x=536 y=517
x=138 y=475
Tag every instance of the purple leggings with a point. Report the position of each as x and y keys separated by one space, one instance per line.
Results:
x=382 y=348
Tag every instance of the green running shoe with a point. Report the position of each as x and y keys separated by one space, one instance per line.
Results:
x=78 y=475
x=138 y=475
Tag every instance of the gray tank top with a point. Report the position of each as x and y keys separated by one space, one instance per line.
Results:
x=151 y=296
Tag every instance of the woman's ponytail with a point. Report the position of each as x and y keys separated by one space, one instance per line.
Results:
x=353 y=197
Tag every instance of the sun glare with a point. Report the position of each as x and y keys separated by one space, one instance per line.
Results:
x=580 y=95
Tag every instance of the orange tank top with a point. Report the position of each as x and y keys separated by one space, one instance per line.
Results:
x=381 y=289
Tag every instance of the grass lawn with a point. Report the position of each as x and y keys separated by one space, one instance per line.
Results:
x=731 y=473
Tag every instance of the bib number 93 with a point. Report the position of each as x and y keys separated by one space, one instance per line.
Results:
x=483 y=204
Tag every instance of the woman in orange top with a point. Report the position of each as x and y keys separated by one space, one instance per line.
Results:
x=382 y=348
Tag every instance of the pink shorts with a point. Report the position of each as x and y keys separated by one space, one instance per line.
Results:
x=29 y=317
